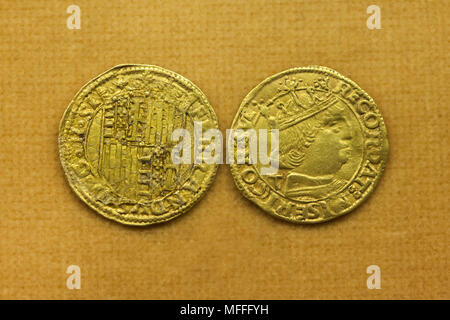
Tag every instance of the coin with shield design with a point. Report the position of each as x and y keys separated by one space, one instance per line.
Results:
x=115 y=143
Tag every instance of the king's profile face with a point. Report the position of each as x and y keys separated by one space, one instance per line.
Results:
x=336 y=140
x=330 y=150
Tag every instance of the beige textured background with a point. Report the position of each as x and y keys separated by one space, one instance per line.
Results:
x=225 y=247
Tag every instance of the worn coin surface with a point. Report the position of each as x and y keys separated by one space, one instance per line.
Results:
x=332 y=145
x=115 y=144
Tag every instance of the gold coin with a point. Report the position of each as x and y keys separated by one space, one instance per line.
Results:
x=331 y=149
x=115 y=144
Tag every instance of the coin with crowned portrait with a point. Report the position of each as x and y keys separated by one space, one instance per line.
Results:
x=115 y=143
x=330 y=146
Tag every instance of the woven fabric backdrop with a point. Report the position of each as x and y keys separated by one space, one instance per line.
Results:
x=225 y=247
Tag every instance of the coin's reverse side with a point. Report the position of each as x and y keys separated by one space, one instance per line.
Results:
x=115 y=144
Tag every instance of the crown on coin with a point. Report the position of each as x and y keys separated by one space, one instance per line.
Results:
x=297 y=101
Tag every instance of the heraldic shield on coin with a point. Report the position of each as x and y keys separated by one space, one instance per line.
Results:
x=115 y=144
x=331 y=150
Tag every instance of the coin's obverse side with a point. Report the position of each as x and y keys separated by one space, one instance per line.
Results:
x=332 y=145
x=115 y=143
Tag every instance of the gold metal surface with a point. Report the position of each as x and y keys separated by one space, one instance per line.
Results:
x=333 y=145
x=115 y=144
